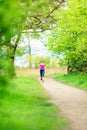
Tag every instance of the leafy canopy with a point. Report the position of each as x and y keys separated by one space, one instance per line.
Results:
x=69 y=35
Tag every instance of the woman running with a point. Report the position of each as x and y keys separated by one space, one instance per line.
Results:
x=42 y=70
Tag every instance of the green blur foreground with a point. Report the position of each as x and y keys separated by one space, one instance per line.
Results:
x=24 y=106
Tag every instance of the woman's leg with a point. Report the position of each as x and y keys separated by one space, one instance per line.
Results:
x=41 y=74
x=43 y=71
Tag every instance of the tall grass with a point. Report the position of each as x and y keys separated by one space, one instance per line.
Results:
x=79 y=81
x=24 y=106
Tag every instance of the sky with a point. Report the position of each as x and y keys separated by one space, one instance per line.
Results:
x=37 y=49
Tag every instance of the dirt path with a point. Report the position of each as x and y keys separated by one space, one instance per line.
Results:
x=72 y=102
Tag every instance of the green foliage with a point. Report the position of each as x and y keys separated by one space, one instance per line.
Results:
x=3 y=74
x=38 y=59
x=10 y=25
x=3 y=82
x=23 y=106
x=20 y=51
x=11 y=17
x=50 y=63
x=69 y=36
x=54 y=63
x=47 y=61
x=79 y=81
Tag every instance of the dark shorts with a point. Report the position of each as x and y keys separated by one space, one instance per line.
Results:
x=42 y=73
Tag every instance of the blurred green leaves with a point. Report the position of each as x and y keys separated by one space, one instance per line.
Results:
x=70 y=34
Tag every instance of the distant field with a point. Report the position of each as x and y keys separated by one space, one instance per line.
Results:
x=35 y=72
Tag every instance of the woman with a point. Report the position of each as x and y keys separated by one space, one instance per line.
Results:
x=42 y=70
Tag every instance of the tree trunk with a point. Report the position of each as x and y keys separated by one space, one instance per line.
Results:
x=30 y=57
x=11 y=56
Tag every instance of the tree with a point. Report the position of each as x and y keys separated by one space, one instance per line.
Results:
x=18 y=16
x=11 y=18
x=69 y=36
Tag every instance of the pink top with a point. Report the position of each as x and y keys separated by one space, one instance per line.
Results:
x=42 y=66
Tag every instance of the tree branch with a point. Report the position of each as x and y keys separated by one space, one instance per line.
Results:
x=56 y=7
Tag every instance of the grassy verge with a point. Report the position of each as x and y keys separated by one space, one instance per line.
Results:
x=79 y=81
x=23 y=106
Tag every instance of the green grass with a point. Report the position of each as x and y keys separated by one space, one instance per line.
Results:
x=79 y=81
x=24 y=106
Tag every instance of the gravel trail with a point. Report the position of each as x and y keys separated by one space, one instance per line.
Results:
x=71 y=101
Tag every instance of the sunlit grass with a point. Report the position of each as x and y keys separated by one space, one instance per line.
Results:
x=24 y=106
x=79 y=81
